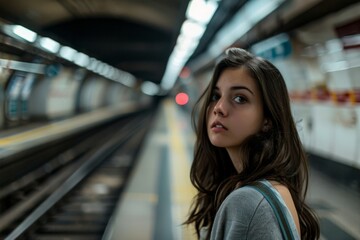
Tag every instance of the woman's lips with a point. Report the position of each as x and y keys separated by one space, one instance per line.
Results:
x=218 y=126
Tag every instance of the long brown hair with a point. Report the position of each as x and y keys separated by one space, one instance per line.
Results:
x=276 y=154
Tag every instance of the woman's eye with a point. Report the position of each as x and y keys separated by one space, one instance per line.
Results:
x=215 y=97
x=239 y=99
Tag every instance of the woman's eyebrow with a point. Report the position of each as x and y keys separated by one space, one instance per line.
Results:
x=233 y=88
x=241 y=87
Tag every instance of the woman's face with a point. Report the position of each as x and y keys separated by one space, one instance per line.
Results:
x=236 y=109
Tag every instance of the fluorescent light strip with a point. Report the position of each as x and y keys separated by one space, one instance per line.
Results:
x=149 y=88
x=199 y=13
x=81 y=59
x=67 y=53
x=24 y=33
x=243 y=21
x=49 y=44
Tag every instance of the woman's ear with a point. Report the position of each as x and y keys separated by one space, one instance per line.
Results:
x=267 y=125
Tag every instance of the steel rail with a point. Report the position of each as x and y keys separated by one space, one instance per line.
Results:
x=76 y=177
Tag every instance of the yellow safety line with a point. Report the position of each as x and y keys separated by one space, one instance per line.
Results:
x=136 y=196
x=61 y=127
x=182 y=189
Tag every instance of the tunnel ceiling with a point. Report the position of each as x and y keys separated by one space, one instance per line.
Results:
x=136 y=36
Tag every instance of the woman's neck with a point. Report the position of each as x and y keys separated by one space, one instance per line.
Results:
x=234 y=155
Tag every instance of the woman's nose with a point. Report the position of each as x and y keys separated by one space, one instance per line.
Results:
x=220 y=108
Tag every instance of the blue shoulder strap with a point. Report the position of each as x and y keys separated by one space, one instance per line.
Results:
x=278 y=210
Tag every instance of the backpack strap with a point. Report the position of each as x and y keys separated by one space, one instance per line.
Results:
x=277 y=208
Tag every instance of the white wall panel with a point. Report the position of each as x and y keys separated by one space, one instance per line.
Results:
x=354 y=73
x=114 y=94
x=345 y=139
x=357 y=162
x=2 y=98
x=303 y=121
x=93 y=92
x=323 y=130
x=39 y=97
x=293 y=72
x=62 y=95
x=339 y=80
x=54 y=97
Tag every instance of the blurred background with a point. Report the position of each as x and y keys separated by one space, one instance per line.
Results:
x=96 y=97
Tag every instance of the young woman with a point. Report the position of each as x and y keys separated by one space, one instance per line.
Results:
x=246 y=134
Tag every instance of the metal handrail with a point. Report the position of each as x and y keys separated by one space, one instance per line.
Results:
x=23 y=66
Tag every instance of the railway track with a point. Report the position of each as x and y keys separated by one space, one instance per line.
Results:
x=73 y=195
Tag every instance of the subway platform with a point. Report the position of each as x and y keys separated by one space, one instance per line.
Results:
x=157 y=198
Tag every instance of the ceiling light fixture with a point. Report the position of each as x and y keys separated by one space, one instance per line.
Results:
x=194 y=27
x=49 y=44
x=24 y=33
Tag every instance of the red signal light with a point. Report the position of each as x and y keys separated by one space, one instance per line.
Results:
x=182 y=98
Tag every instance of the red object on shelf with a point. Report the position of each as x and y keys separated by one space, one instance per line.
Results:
x=355 y=96
x=348 y=96
x=322 y=95
x=342 y=97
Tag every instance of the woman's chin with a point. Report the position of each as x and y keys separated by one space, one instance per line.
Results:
x=218 y=144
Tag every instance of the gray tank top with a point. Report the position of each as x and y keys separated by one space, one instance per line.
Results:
x=246 y=214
